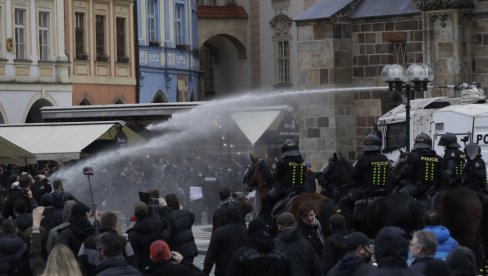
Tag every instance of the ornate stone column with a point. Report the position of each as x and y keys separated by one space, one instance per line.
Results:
x=447 y=40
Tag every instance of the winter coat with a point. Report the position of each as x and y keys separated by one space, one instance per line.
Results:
x=445 y=243
x=182 y=239
x=23 y=221
x=462 y=262
x=333 y=250
x=14 y=256
x=116 y=266
x=313 y=233
x=167 y=268
x=351 y=265
x=420 y=262
x=224 y=242
x=391 y=251
x=77 y=232
x=141 y=235
x=303 y=260
x=88 y=256
x=15 y=194
x=259 y=257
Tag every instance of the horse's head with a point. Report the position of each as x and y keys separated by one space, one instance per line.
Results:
x=336 y=173
x=256 y=175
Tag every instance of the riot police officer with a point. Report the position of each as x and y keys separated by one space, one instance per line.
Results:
x=452 y=162
x=474 y=172
x=288 y=176
x=421 y=173
x=371 y=169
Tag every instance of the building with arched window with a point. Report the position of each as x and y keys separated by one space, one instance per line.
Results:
x=168 y=50
x=33 y=64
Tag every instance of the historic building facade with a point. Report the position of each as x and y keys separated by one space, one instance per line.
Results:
x=168 y=50
x=34 y=69
x=100 y=47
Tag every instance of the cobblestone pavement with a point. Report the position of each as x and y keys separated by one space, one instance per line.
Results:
x=202 y=239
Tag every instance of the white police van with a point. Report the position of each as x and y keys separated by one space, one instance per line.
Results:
x=465 y=116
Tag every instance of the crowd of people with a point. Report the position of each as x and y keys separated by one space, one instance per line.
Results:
x=46 y=230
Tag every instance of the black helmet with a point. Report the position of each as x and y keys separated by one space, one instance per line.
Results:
x=290 y=148
x=472 y=150
x=422 y=141
x=449 y=140
x=372 y=143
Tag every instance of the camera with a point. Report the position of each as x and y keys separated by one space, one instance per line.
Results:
x=88 y=171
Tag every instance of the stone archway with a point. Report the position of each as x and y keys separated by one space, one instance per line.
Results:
x=159 y=97
x=224 y=66
x=34 y=115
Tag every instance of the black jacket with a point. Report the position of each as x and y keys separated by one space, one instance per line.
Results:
x=420 y=262
x=391 y=252
x=88 y=256
x=290 y=171
x=77 y=232
x=169 y=269
x=224 y=242
x=15 y=194
x=333 y=250
x=116 y=266
x=303 y=260
x=312 y=233
x=422 y=169
x=14 y=256
x=141 y=235
x=182 y=239
x=259 y=257
x=474 y=174
x=371 y=171
x=351 y=265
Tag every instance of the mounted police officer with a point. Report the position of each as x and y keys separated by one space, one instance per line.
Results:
x=452 y=162
x=474 y=172
x=288 y=176
x=370 y=170
x=421 y=173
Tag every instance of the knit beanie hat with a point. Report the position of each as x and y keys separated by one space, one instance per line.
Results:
x=159 y=251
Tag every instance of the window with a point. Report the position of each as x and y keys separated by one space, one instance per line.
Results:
x=206 y=65
x=395 y=136
x=120 y=26
x=20 y=21
x=179 y=24
x=43 y=35
x=283 y=62
x=100 y=36
x=151 y=21
x=207 y=2
x=400 y=53
x=80 y=35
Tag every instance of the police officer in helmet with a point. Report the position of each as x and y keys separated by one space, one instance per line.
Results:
x=474 y=172
x=452 y=162
x=370 y=170
x=288 y=176
x=421 y=173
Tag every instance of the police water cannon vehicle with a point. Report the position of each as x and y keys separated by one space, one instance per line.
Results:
x=465 y=116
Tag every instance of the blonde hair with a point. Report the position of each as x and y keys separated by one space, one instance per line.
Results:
x=61 y=262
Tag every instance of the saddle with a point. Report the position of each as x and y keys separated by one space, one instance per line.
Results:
x=280 y=205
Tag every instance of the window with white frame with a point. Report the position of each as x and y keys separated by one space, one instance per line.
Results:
x=283 y=61
x=151 y=21
x=43 y=35
x=179 y=11
x=20 y=22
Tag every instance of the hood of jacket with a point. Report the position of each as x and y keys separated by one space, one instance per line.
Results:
x=348 y=264
x=441 y=233
x=12 y=245
x=145 y=226
x=289 y=235
x=461 y=261
x=117 y=261
x=391 y=247
x=82 y=227
x=263 y=243
x=232 y=215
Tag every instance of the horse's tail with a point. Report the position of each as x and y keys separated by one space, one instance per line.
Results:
x=327 y=209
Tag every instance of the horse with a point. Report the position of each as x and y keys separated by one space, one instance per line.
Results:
x=258 y=177
x=372 y=214
x=463 y=211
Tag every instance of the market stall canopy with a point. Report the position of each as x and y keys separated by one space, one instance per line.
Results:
x=13 y=154
x=64 y=141
x=254 y=121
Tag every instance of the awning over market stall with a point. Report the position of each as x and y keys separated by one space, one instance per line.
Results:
x=13 y=154
x=64 y=141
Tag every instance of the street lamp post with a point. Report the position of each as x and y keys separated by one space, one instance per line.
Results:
x=417 y=75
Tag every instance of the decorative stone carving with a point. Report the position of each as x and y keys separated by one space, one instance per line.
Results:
x=429 y=5
x=281 y=25
x=441 y=17
x=280 y=6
